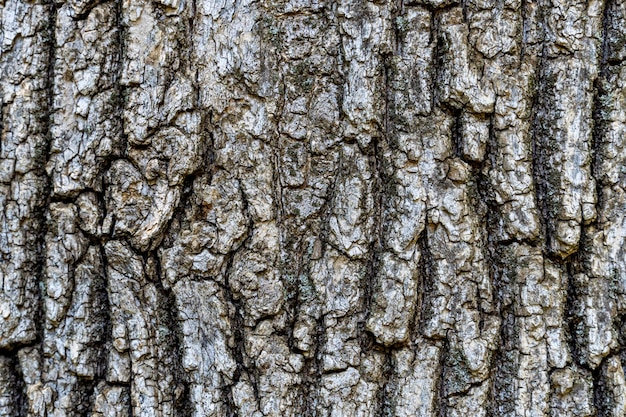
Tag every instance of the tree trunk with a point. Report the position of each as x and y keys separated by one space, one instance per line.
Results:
x=313 y=208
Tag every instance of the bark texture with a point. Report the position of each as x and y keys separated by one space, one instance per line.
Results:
x=313 y=208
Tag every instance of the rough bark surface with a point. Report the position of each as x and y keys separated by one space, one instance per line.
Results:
x=313 y=208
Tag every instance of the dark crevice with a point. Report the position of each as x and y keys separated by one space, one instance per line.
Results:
x=170 y=340
x=487 y=210
x=422 y=315
x=503 y=371
x=504 y=361
x=374 y=262
x=422 y=274
x=236 y=312
x=457 y=133
x=599 y=96
x=41 y=210
x=427 y=273
x=20 y=388
x=525 y=29
x=87 y=389
x=121 y=88
x=441 y=403
x=573 y=318
x=384 y=394
x=107 y=322
x=398 y=24
x=601 y=400
x=538 y=157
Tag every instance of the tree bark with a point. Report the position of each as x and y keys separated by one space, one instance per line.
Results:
x=313 y=208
